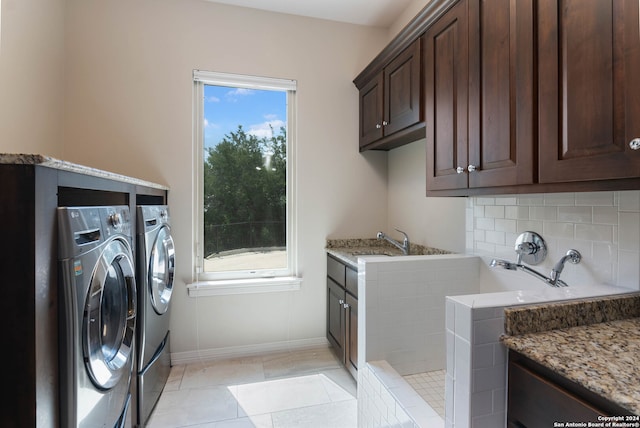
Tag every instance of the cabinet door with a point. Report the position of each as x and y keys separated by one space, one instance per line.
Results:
x=534 y=401
x=501 y=106
x=336 y=317
x=352 y=335
x=446 y=87
x=589 y=86
x=402 y=93
x=371 y=114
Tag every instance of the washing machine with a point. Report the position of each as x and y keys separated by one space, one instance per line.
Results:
x=155 y=258
x=97 y=315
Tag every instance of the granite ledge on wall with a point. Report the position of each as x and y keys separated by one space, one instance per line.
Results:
x=49 y=162
x=349 y=249
x=593 y=342
x=544 y=317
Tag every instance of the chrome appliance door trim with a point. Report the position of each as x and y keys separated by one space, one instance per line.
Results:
x=109 y=315
x=161 y=270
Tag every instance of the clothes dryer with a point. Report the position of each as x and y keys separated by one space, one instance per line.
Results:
x=97 y=307
x=155 y=269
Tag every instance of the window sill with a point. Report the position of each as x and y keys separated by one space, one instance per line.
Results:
x=243 y=286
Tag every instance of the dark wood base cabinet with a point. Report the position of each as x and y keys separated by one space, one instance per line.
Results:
x=342 y=313
x=29 y=198
x=539 y=397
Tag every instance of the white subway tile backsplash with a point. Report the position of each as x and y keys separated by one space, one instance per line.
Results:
x=531 y=200
x=560 y=230
x=525 y=225
x=495 y=211
x=506 y=200
x=575 y=214
x=560 y=199
x=495 y=237
x=605 y=215
x=594 y=232
x=598 y=224
x=543 y=213
x=517 y=212
x=505 y=225
x=628 y=270
x=630 y=223
x=593 y=199
x=485 y=201
x=485 y=223
x=629 y=201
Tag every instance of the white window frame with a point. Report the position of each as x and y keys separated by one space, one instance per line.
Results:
x=241 y=282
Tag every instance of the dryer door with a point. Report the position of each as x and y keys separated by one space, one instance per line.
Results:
x=161 y=270
x=109 y=316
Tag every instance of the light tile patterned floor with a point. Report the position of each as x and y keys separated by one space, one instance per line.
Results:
x=430 y=386
x=286 y=390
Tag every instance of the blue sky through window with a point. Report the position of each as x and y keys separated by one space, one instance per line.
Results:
x=225 y=108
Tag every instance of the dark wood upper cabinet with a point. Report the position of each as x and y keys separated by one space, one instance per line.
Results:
x=501 y=93
x=446 y=99
x=402 y=90
x=589 y=89
x=390 y=103
x=371 y=111
x=519 y=96
x=479 y=96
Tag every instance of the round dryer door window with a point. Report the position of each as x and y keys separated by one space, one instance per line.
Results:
x=109 y=316
x=161 y=270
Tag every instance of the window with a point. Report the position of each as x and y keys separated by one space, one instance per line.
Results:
x=244 y=152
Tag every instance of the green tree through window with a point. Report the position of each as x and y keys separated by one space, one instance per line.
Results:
x=245 y=198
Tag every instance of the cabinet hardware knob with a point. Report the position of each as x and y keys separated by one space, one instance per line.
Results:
x=472 y=168
x=378 y=126
x=341 y=302
x=346 y=306
x=635 y=144
x=459 y=170
x=385 y=123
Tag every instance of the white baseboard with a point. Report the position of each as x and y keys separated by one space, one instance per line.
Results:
x=247 y=350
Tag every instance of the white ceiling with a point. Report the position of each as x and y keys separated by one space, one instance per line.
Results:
x=378 y=13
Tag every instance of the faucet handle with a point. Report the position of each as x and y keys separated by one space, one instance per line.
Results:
x=530 y=248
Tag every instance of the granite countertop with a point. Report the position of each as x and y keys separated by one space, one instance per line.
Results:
x=46 y=161
x=348 y=250
x=593 y=342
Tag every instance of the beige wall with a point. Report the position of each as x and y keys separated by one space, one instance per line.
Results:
x=129 y=110
x=108 y=85
x=31 y=76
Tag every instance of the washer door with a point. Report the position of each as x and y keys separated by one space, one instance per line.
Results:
x=109 y=316
x=161 y=270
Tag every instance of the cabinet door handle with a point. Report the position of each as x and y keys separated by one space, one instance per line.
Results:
x=472 y=168
x=385 y=123
x=341 y=302
x=378 y=126
x=346 y=305
x=459 y=170
x=635 y=144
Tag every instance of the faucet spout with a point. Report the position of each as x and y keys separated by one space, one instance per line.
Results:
x=505 y=264
x=405 y=247
x=573 y=256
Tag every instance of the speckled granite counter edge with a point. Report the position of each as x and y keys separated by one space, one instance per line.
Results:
x=544 y=317
x=41 y=160
x=600 y=357
x=349 y=249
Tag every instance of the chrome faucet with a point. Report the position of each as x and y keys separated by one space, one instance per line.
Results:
x=531 y=248
x=573 y=256
x=505 y=264
x=405 y=246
